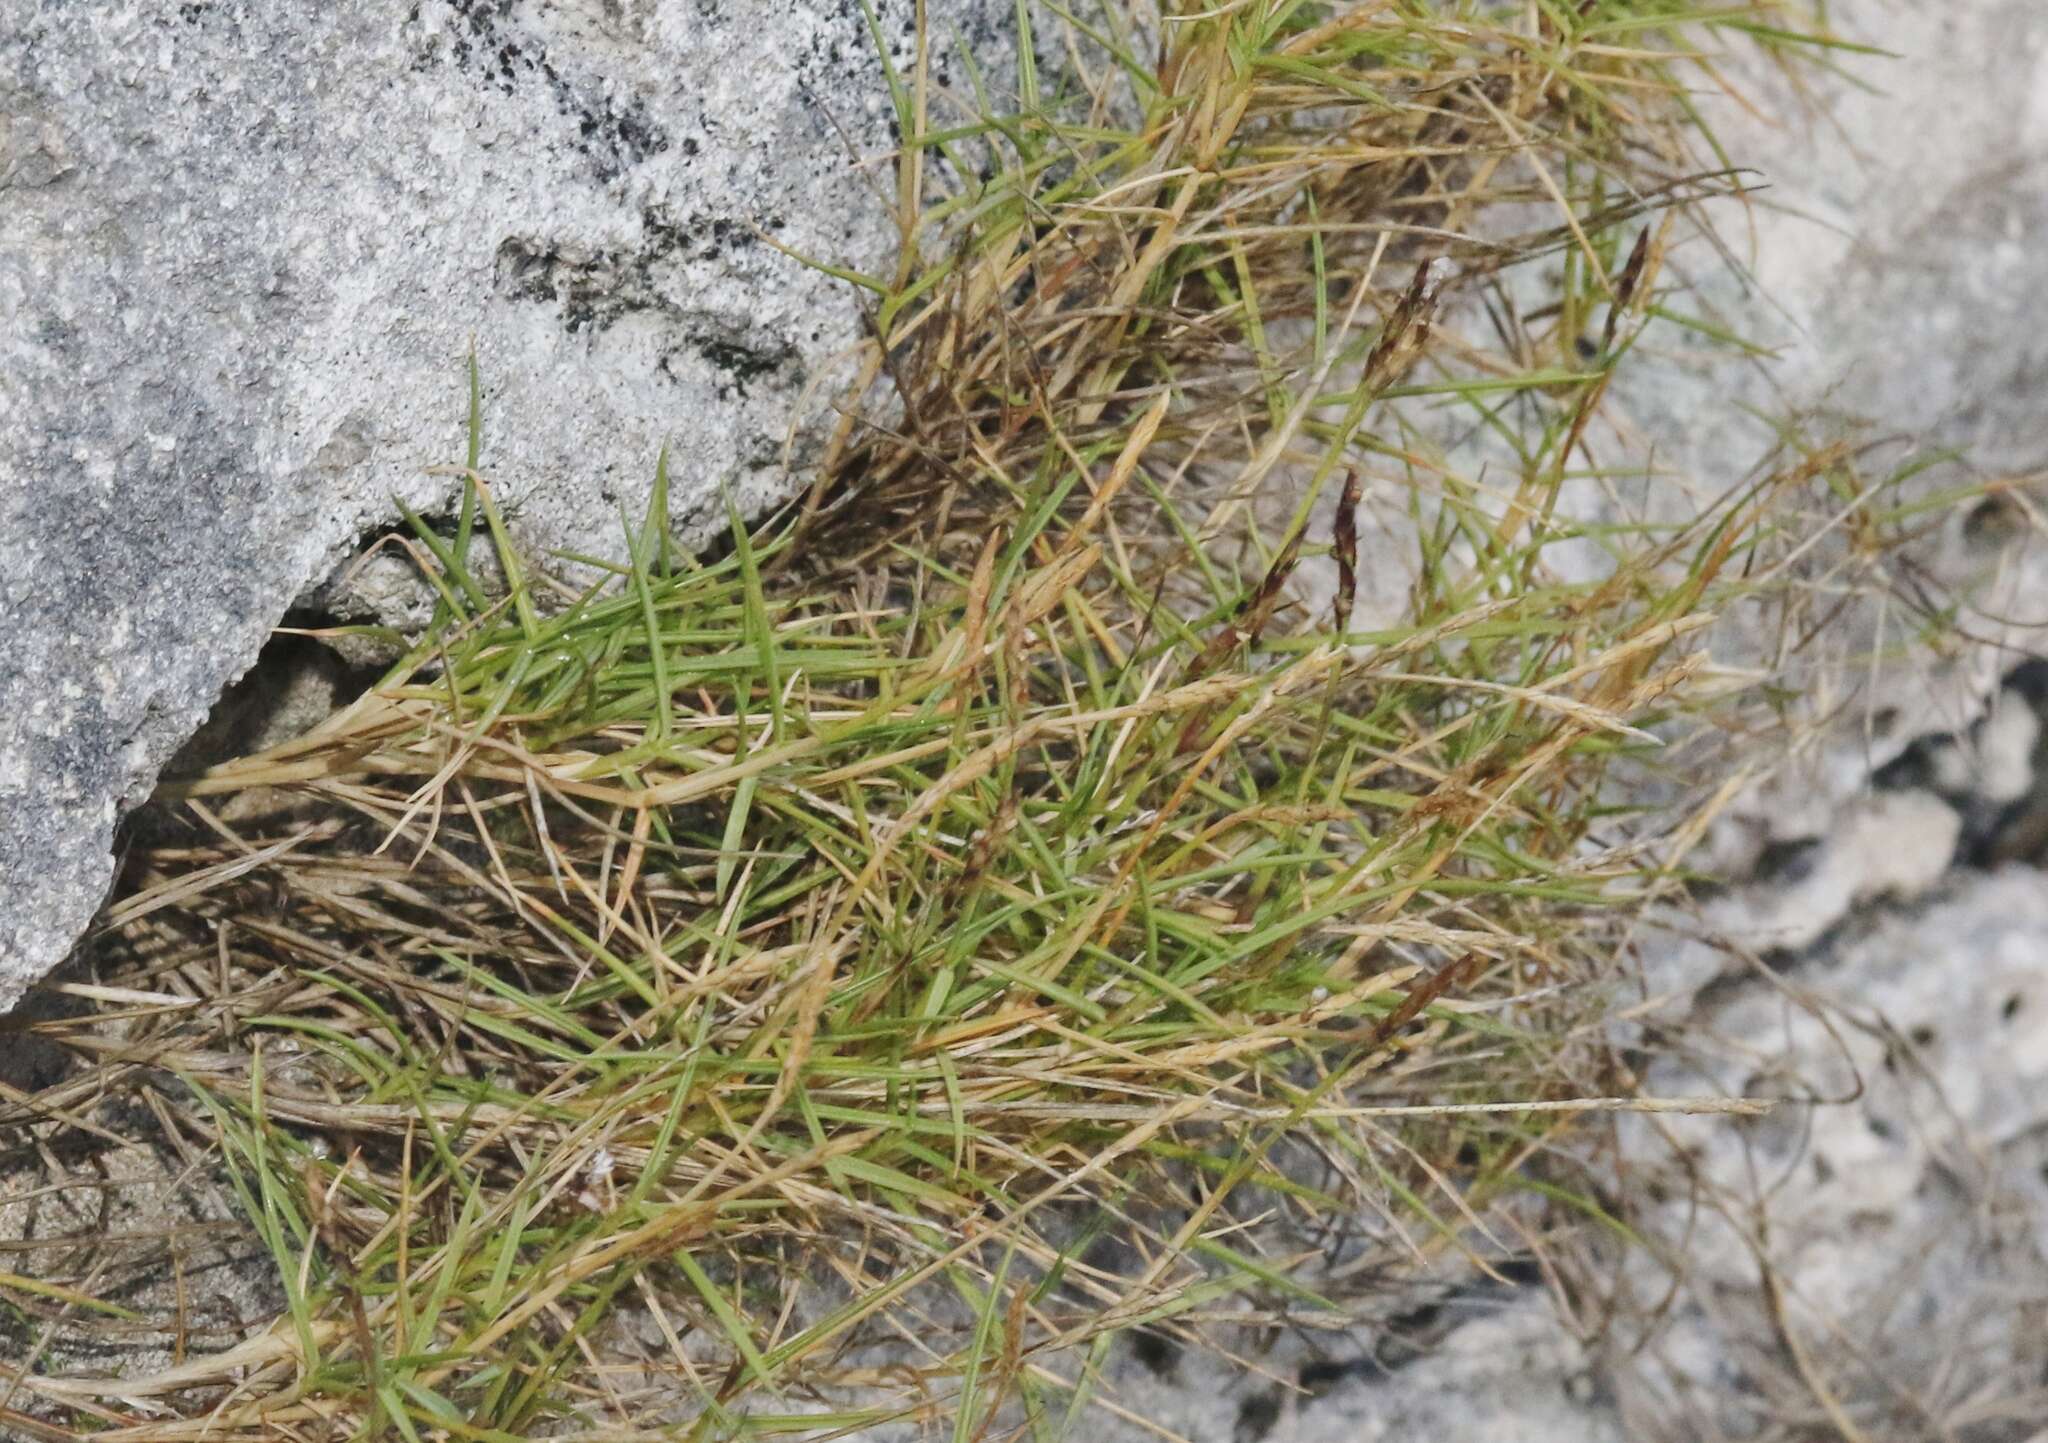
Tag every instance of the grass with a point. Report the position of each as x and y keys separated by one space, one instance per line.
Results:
x=986 y=910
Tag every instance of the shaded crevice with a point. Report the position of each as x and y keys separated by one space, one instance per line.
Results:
x=294 y=684
x=2000 y=828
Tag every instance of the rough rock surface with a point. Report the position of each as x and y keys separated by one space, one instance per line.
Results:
x=1876 y=1249
x=244 y=251
x=1493 y=1364
x=1895 y=914
x=1886 y=260
x=1887 y=1249
x=1872 y=1259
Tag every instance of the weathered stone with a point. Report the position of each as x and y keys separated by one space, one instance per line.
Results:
x=1904 y=1220
x=244 y=251
x=1885 y=261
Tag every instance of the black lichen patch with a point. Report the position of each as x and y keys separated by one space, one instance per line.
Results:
x=596 y=289
x=1410 y=1337
x=613 y=135
x=593 y=291
x=742 y=362
x=695 y=238
x=1788 y=863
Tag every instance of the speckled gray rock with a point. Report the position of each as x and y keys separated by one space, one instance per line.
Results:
x=244 y=250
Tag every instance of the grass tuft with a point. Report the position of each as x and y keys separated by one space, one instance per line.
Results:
x=1026 y=893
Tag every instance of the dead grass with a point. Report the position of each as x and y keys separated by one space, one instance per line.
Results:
x=981 y=912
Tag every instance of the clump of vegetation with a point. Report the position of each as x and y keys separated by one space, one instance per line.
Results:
x=983 y=910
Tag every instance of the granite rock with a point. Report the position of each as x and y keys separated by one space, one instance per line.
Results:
x=244 y=252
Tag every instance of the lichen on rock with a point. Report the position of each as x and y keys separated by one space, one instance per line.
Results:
x=244 y=253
